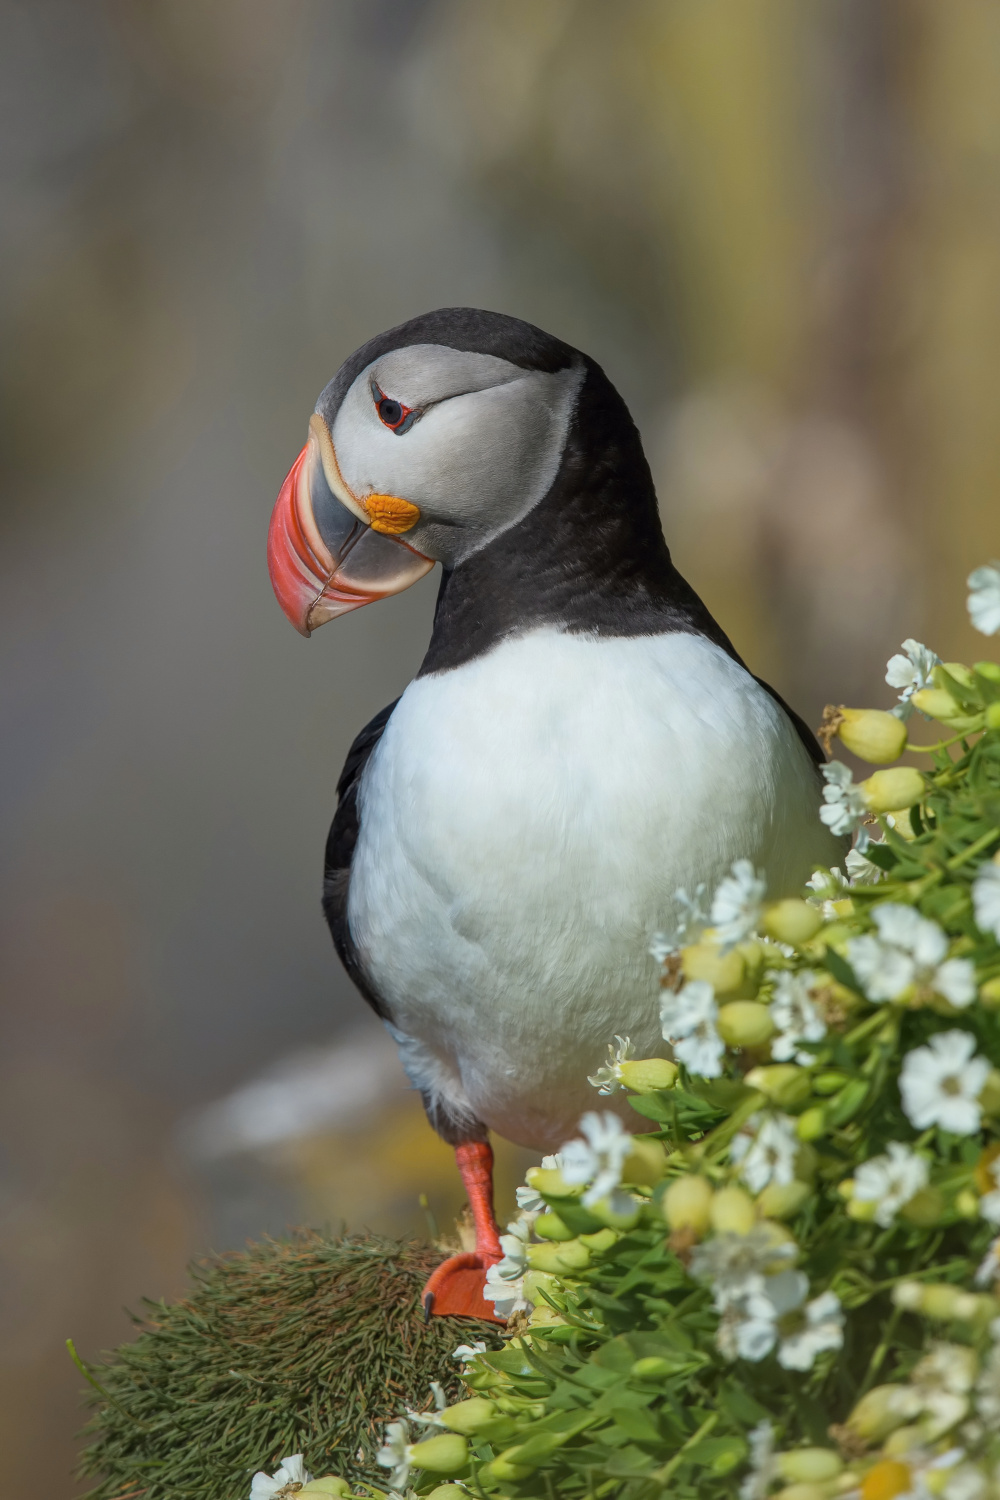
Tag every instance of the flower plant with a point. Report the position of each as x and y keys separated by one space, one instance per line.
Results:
x=791 y=1284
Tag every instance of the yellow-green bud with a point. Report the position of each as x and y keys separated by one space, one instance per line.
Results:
x=989 y=993
x=924 y=1208
x=652 y=1368
x=862 y=1209
x=616 y=1217
x=967 y=1204
x=645 y=1163
x=993 y=716
x=988 y=669
x=647 y=1075
x=802 y=1492
x=467 y=1416
x=989 y=1096
x=890 y=791
x=687 y=1203
x=810 y=1464
x=745 y=1023
x=444 y=1492
x=502 y=1470
x=550 y=1182
x=558 y=1258
x=792 y=921
x=902 y=1441
x=732 y=1211
x=550 y=1227
x=782 y=1083
x=879 y=1411
x=445 y=1453
x=872 y=735
x=936 y=704
x=782 y=1200
x=960 y=672
x=544 y=1317
x=723 y=971
x=535 y=1284
x=811 y=1124
x=600 y=1240
x=939 y=1301
x=330 y=1484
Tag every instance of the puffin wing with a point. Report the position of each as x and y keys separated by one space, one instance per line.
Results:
x=340 y=851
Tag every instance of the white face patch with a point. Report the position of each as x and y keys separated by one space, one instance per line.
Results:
x=481 y=455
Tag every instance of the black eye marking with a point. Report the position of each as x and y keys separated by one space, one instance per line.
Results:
x=391 y=413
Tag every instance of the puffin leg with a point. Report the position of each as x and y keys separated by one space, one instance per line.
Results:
x=455 y=1289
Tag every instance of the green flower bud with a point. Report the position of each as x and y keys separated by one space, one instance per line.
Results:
x=811 y=1124
x=652 y=1368
x=993 y=716
x=989 y=1097
x=444 y=1492
x=879 y=1411
x=829 y=1083
x=989 y=993
x=648 y=1075
x=549 y=1182
x=809 y=1464
x=793 y=921
x=600 y=1240
x=545 y=1317
x=802 y=1492
x=445 y=1453
x=535 y=1283
x=645 y=1163
x=936 y=704
x=732 y=1211
x=782 y=1200
x=467 y=1416
x=723 y=971
x=862 y=1209
x=925 y=1208
x=967 y=1204
x=961 y=673
x=550 y=1227
x=330 y=1484
x=782 y=1083
x=503 y=1471
x=745 y=1023
x=558 y=1258
x=872 y=735
x=687 y=1203
x=615 y=1218
x=988 y=669
x=890 y=791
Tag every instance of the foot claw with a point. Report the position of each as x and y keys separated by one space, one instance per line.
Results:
x=455 y=1289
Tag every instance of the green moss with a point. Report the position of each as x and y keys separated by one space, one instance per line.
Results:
x=307 y=1345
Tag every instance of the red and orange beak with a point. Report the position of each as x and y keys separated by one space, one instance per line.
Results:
x=329 y=550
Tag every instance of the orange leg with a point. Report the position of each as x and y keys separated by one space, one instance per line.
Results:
x=455 y=1289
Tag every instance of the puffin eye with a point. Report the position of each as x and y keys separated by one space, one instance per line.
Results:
x=391 y=413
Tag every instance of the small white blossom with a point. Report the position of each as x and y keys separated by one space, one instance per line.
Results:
x=941 y=1382
x=986 y=899
x=989 y=1203
x=844 y=808
x=779 y=1315
x=795 y=1016
x=465 y=1352
x=909 y=950
x=431 y=1418
x=940 y=1084
x=598 y=1159
x=395 y=1452
x=765 y=1151
x=882 y=971
x=989 y=1267
x=988 y=1390
x=890 y=1180
x=528 y=1201
x=608 y=1078
x=966 y=1482
x=862 y=871
x=735 y=1265
x=763 y=1469
x=984 y=599
x=910 y=672
x=505 y=1280
x=688 y=1022
x=737 y=904
x=820 y=1327
x=829 y=885
x=690 y=921
x=286 y=1480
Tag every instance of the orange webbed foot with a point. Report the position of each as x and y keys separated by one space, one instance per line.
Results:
x=455 y=1289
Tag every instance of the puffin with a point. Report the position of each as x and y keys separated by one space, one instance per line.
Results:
x=581 y=745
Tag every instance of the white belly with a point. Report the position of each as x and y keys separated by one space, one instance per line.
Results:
x=526 y=821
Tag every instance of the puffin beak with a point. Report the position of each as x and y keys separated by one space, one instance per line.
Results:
x=330 y=551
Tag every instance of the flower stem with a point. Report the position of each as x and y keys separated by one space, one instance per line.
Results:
x=662 y=1475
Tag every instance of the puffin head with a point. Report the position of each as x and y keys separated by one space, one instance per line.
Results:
x=430 y=441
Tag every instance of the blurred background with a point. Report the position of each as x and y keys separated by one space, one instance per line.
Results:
x=776 y=223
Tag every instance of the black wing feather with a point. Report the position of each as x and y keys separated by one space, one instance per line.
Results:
x=340 y=850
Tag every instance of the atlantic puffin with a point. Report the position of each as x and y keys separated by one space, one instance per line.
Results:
x=581 y=742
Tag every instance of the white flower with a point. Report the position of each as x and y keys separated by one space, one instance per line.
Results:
x=984 y=599
x=989 y=1267
x=597 y=1160
x=735 y=1265
x=844 y=808
x=395 y=1453
x=909 y=950
x=737 y=904
x=829 y=885
x=687 y=1020
x=778 y=1314
x=466 y=1352
x=986 y=899
x=911 y=673
x=966 y=1482
x=940 y=1084
x=505 y=1280
x=890 y=1180
x=528 y=1201
x=690 y=921
x=608 y=1079
x=763 y=1469
x=862 y=871
x=988 y=1390
x=795 y=1016
x=278 y=1485
x=819 y=1327
x=431 y=1418
x=883 y=972
x=941 y=1382
x=765 y=1150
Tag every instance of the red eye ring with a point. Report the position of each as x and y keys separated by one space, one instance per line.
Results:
x=392 y=413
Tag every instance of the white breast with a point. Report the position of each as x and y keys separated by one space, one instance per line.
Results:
x=526 y=821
